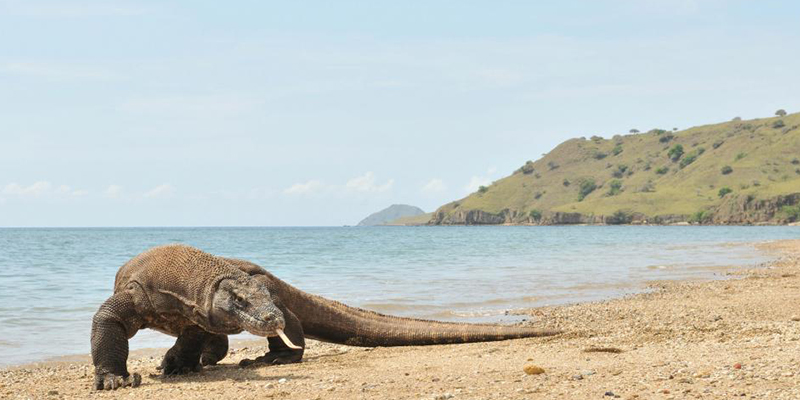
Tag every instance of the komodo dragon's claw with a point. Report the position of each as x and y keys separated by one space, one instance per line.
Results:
x=114 y=382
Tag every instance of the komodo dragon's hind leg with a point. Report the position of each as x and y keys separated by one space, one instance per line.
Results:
x=184 y=356
x=279 y=353
x=114 y=323
x=214 y=350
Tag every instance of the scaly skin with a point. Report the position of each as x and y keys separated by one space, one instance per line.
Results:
x=183 y=292
x=315 y=317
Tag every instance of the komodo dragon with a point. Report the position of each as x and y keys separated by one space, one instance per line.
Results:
x=185 y=292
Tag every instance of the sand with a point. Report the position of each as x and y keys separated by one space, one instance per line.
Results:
x=738 y=337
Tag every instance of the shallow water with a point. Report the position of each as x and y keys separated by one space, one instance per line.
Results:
x=53 y=280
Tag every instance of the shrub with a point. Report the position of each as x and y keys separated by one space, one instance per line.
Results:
x=596 y=138
x=565 y=182
x=538 y=195
x=483 y=189
x=662 y=170
x=614 y=187
x=527 y=169
x=726 y=170
x=535 y=215
x=552 y=165
x=740 y=156
x=675 y=152
x=724 y=191
x=795 y=161
x=778 y=124
x=599 y=155
x=781 y=113
x=736 y=119
x=616 y=150
x=587 y=186
x=657 y=131
x=621 y=168
x=700 y=217
x=620 y=217
x=717 y=143
x=666 y=138
x=648 y=187
x=791 y=213
x=690 y=158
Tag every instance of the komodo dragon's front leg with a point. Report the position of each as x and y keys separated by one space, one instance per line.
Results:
x=114 y=323
x=184 y=356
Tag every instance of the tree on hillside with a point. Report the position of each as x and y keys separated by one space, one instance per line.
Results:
x=634 y=131
x=781 y=113
x=675 y=152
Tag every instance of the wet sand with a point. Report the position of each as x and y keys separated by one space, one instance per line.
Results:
x=738 y=337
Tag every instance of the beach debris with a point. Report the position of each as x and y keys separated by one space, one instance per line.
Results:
x=282 y=380
x=532 y=369
x=594 y=349
x=737 y=366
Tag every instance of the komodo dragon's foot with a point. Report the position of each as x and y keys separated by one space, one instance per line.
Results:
x=176 y=365
x=113 y=382
x=209 y=359
x=274 y=358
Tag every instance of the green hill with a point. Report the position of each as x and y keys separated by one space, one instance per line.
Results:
x=732 y=172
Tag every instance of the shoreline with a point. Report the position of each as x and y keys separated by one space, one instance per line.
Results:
x=705 y=339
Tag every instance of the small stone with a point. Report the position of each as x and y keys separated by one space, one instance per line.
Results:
x=737 y=366
x=52 y=393
x=282 y=380
x=795 y=318
x=577 y=377
x=610 y=394
x=445 y=396
x=531 y=369
x=665 y=391
x=269 y=385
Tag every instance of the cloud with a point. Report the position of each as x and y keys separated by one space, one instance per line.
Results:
x=363 y=184
x=310 y=187
x=41 y=189
x=434 y=186
x=366 y=184
x=113 y=192
x=480 y=180
x=160 y=192
x=37 y=189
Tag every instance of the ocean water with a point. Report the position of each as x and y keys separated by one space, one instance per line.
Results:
x=53 y=280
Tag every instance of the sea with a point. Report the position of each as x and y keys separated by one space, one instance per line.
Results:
x=52 y=281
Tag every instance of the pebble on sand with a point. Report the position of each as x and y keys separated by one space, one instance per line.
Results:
x=531 y=369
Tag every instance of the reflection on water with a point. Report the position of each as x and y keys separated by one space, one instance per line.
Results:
x=53 y=280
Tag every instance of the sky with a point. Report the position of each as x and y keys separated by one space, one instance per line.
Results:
x=316 y=113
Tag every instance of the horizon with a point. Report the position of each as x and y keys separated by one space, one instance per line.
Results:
x=192 y=115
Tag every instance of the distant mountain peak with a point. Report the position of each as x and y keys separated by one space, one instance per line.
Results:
x=391 y=213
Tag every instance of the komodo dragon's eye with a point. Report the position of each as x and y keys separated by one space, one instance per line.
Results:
x=238 y=299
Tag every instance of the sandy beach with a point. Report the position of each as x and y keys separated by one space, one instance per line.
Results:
x=738 y=337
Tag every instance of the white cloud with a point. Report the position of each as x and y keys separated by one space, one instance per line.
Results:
x=35 y=190
x=480 y=180
x=366 y=184
x=41 y=189
x=435 y=185
x=113 y=192
x=159 y=192
x=310 y=187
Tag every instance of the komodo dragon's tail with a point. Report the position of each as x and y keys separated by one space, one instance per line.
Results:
x=331 y=321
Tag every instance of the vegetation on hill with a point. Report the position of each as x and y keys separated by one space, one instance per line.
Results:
x=657 y=176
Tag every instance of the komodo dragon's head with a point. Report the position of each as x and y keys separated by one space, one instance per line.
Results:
x=245 y=303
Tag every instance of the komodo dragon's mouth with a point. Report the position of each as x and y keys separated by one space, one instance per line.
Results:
x=286 y=341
